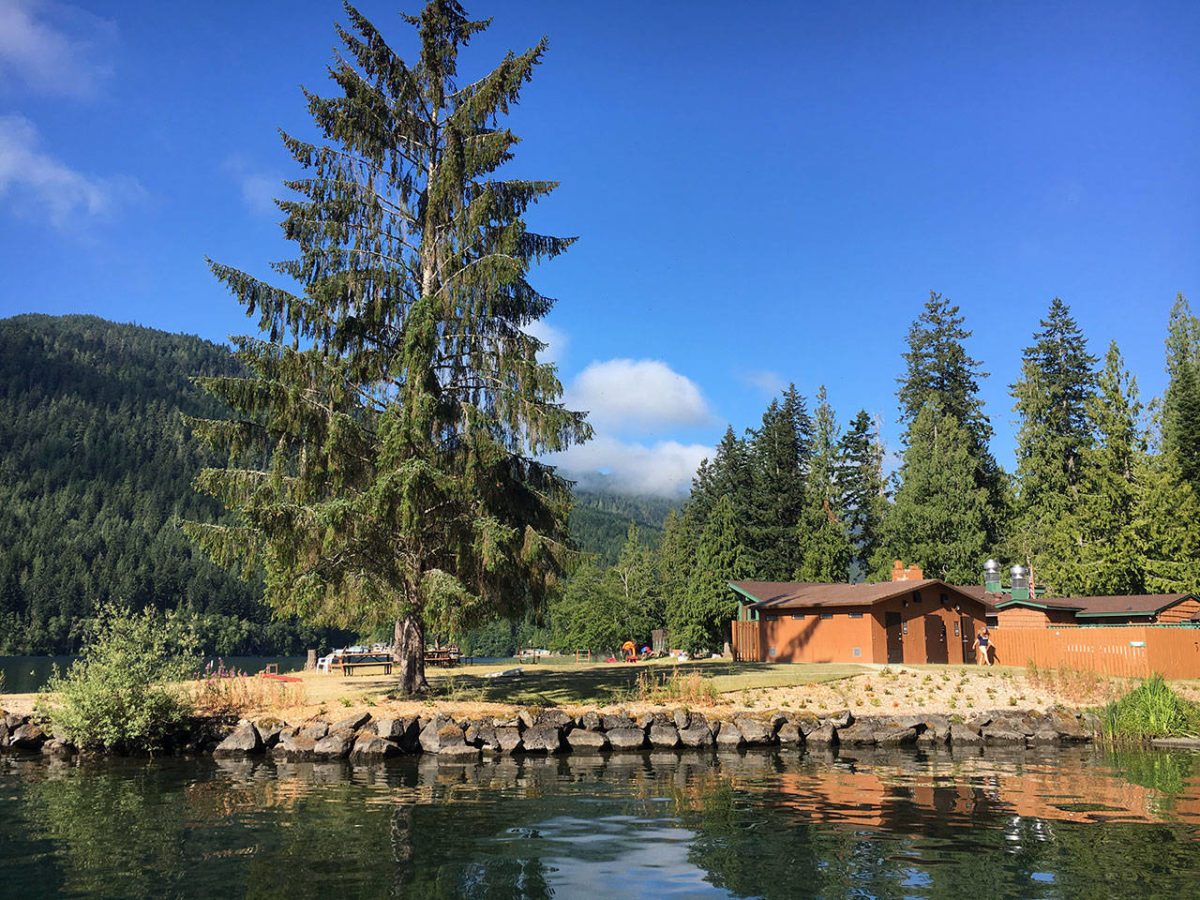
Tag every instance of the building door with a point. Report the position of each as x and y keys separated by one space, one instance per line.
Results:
x=968 y=640
x=935 y=640
x=895 y=640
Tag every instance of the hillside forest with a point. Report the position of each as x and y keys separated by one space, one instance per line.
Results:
x=97 y=465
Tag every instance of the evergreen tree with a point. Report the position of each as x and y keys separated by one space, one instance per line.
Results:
x=1165 y=517
x=1056 y=382
x=939 y=371
x=1102 y=556
x=398 y=401
x=779 y=456
x=825 y=548
x=863 y=491
x=1181 y=403
x=939 y=518
x=700 y=622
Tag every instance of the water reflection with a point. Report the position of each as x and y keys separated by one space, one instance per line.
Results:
x=1066 y=824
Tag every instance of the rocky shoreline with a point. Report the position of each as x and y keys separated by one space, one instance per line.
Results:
x=364 y=738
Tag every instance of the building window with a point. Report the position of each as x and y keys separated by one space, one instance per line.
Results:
x=797 y=615
x=856 y=615
x=916 y=596
x=771 y=651
x=945 y=600
x=904 y=628
x=826 y=615
x=956 y=629
x=858 y=651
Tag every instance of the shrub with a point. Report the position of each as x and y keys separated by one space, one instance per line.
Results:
x=123 y=693
x=1151 y=710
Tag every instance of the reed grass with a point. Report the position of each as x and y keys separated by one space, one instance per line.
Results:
x=1151 y=710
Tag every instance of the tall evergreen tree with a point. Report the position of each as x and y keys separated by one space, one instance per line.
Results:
x=780 y=453
x=398 y=400
x=1165 y=518
x=863 y=491
x=938 y=369
x=825 y=548
x=1181 y=403
x=701 y=621
x=939 y=518
x=1057 y=379
x=1102 y=555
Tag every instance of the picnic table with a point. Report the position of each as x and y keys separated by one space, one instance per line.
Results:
x=348 y=662
x=442 y=656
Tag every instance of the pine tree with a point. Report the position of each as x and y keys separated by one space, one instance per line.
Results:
x=1102 y=555
x=939 y=518
x=1181 y=402
x=731 y=474
x=1165 y=517
x=1057 y=379
x=779 y=456
x=939 y=371
x=863 y=490
x=398 y=402
x=825 y=549
x=701 y=621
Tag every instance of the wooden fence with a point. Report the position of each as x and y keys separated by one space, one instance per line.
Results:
x=747 y=643
x=1128 y=651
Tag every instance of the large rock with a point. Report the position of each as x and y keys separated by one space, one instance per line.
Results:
x=295 y=748
x=509 y=739
x=618 y=720
x=336 y=745
x=351 y=723
x=790 y=735
x=542 y=739
x=664 y=736
x=270 y=730
x=27 y=737
x=1004 y=733
x=316 y=729
x=483 y=735
x=404 y=733
x=441 y=734
x=896 y=737
x=1066 y=724
x=585 y=739
x=591 y=721
x=243 y=741
x=754 y=732
x=841 y=719
x=824 y=736
x=730 y=736
x=459 y=753
x=555 y=718
x=860 y=734
x=626 y=738
x=682 y=719
x=372 y=748
x=962 y=734
x=698 y=734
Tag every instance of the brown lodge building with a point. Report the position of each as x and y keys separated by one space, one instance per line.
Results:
x=912 y=619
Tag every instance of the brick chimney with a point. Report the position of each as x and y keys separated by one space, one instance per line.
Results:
x=912 y=573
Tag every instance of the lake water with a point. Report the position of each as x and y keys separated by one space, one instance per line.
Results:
x=27 y=674
x=1066 y=824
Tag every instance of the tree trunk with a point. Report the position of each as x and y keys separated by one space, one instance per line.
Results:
x=408 y=654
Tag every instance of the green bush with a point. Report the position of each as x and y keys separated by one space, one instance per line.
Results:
x=123 y=694
x=1151 y=710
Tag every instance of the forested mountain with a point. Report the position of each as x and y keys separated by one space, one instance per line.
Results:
x=600 y=521
x=96 y=469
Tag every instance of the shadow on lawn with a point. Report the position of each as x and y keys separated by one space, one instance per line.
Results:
x=613 y=683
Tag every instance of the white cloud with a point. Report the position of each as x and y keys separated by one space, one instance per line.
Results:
x=626 y=395
x=54 y=48
x=554 y=339
x=663 y=469
x=41 y=187
x=259 y=187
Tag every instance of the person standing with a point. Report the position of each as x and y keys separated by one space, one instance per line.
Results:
x=983 y=648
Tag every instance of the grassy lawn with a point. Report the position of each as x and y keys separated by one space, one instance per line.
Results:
x=552 y=684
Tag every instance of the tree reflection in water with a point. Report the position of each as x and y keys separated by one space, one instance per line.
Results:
x=1069 y=824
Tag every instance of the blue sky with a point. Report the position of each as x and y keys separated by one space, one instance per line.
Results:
x=764 y=192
